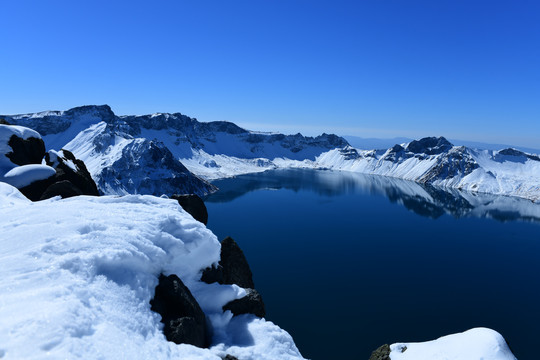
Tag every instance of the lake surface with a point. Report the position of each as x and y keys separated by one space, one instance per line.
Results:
x=347 y=262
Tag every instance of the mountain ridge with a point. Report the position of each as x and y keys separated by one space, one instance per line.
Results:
x=121 y=153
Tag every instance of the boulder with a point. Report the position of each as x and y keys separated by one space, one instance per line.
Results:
x=233 y=267
x=26 y=151
x=252 y=303
x=230 y=357
x=71 y=178
x=64 y=188
x=69 y=168
x=382 y=353
x=194 y=205
x=185 y=322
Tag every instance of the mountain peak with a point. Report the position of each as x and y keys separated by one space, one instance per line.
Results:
x=429 y=145
x=103 y=111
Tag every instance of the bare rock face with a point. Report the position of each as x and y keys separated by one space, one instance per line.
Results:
x=382 y=353
x=252 y=303
x=71 y=179
x=185 y=322
x=26 y=151
x=233 y=267
x=69 y=168
x=194 y=205
x=63 y=188
x=429 y=146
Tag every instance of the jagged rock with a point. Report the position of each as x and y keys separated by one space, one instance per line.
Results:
x=73 y=170
x=213 y=274
x=382 y=353
x=429 y=146
x=230 y=357
x=233 y=267
x=456 y=162
x=71 y=179
x=252 y=303
x=194 y=205
x=63 y=188
x=29 y=151
x=185 y=322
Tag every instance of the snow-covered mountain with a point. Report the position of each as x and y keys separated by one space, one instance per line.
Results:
x=146 y=154
x=167 y=153
x=436 y=161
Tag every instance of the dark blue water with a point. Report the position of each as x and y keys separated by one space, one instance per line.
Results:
x=346 y=262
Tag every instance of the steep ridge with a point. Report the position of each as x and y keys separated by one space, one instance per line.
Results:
x=119 y=162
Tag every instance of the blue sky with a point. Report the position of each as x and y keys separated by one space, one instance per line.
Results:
x=380 y=68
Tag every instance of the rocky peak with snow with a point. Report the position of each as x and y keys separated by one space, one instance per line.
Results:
x=429 y=146
x=166 y=153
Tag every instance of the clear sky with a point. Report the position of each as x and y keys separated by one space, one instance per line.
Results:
x=372 y=68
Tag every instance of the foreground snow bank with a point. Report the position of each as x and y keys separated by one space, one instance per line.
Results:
x=77 y=276
x=474 y=344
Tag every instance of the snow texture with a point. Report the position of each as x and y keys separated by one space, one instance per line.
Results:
x=474 y=344
x=78 y=274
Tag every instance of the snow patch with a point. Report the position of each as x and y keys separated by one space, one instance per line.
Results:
x=24 y=175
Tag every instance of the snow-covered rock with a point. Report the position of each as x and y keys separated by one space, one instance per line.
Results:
x=474 y=344
x=21 y=152
x=78 y=274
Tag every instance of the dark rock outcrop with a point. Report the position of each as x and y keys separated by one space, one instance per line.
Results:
x=71 y=179
x=194 y=205
x=429 y=146
x=233 y=267
x=35 y=190
x=230 y=357
x=252 y=303
x=79 y=177
x=26 y=151
x=63 y=188
x=382 y=353
x=185 y=322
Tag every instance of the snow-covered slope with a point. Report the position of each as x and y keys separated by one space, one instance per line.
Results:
x=78 y=274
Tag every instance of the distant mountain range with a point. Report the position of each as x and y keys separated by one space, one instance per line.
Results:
x=385 y=143
x=173 y=153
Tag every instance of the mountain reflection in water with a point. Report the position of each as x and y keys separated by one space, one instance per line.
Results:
x=425 y=200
